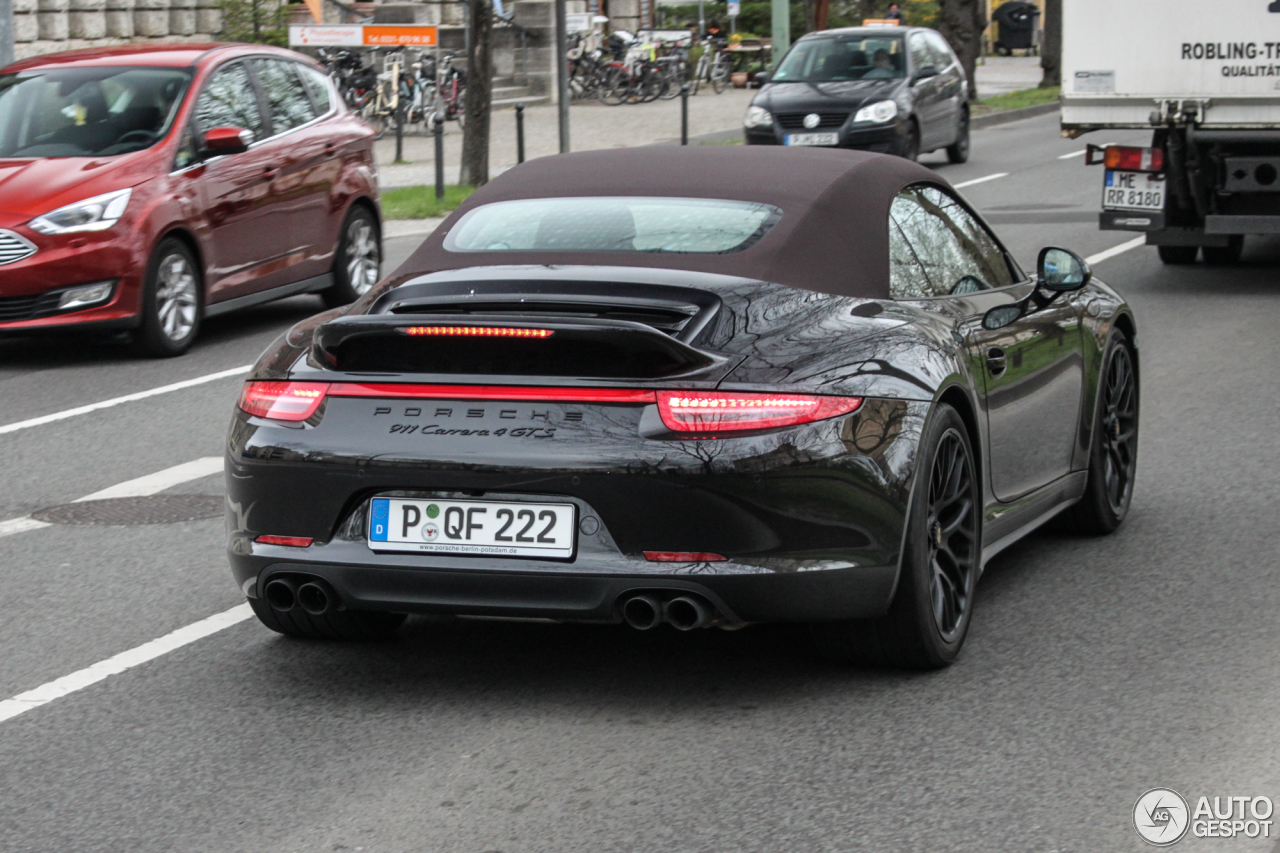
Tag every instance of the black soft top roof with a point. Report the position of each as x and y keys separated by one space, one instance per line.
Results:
x=833 y=236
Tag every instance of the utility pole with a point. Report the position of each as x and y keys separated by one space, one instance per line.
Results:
x=781 y=29
x=702 y=20
x=6 y=32
x=562 y=75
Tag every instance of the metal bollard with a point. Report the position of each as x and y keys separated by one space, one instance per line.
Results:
x=684 y=113
x=399 y=134
x=437 y=130
x=519 y=133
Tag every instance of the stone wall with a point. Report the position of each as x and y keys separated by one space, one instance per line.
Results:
x=50 y=26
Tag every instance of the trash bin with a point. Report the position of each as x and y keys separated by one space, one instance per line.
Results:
x=1016 y=26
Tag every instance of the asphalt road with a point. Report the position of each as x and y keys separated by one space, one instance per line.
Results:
x=1094 y=670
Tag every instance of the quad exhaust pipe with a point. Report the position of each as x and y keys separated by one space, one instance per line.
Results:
x=684 y=613
x=314 y=597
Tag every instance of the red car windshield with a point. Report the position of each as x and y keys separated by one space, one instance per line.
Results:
x=87 y=112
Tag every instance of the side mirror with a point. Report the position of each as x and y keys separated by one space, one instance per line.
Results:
x=227 y=140
x=925 y=73
x=1003 y=315
x=1061 y=270
x=762 y=77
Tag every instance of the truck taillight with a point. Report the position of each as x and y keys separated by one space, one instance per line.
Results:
x=1129 y=159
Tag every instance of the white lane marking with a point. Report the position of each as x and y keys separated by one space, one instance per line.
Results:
x=159 y=481
x=116 y=664
x=19 y=525
x=1116 y=250
x=148 y=485
x=127 y=398
x=1073 y=154
x=980 y=180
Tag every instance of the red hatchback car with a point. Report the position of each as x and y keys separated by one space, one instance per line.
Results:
x=144 y=188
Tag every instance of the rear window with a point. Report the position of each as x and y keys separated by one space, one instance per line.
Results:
x=613 y=224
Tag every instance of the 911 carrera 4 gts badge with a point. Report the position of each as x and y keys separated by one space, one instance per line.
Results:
x=436 y=429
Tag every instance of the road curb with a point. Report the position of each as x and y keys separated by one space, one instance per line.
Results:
x=1006 y=116
x=393 y=228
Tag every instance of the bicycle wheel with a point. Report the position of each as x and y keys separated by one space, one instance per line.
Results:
x=719 y=76
x=613 y=90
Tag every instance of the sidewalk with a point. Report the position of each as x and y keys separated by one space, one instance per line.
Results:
x=1000 y=74
x=592 y=125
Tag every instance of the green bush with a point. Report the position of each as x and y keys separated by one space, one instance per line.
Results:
x=254 y=21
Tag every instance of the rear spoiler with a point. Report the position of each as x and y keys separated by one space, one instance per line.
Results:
x=475 y=344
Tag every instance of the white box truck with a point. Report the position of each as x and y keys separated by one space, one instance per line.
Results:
x=1205 y=79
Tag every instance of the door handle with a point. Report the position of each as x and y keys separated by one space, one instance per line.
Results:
x=996 y=362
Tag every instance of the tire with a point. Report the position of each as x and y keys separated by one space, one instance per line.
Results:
x=958 y=151
x=1224 y=255
x=932 y=607
x=357 y=260
x=1113 y=457
x=719 y=77
x=1178 y=255
x=911 y=145
x=614 y=89
x=172 y=301
x=349 y=625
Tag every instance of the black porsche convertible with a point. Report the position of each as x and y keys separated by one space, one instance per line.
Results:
x=699 y=387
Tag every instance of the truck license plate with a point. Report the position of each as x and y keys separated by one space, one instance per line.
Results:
x=489 y=528
x=1133 y=191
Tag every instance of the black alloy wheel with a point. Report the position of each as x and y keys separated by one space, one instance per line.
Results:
x=930 y=613
x=952 y=534
x=1113 y=459
x=958 y=151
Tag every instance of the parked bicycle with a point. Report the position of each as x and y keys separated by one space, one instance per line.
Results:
x=713 y=66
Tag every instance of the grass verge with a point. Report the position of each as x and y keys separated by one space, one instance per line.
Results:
x=420 y=202
x=1017 y=100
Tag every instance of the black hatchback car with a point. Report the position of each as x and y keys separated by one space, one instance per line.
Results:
x=894 y=90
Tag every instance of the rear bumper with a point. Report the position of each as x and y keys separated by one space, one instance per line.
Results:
x=810 y=518
x=846 y=593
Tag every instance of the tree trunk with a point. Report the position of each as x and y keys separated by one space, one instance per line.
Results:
x=961 y=23
x=1051 y=50
x=822 y=14
x=475 y=132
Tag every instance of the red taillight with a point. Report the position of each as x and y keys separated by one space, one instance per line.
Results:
x=1131 y=159
x=732 y=411
x=477 y=332
x=290 y=541
x=683 y=557
x=283 y=401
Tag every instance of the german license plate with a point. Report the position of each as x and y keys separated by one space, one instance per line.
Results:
x=1133 y=191
x=811 y=138
x=494 y=528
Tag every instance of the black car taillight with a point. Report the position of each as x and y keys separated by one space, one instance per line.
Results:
x=282 y=401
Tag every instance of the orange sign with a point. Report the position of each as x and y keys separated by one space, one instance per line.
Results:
x=415 y=36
